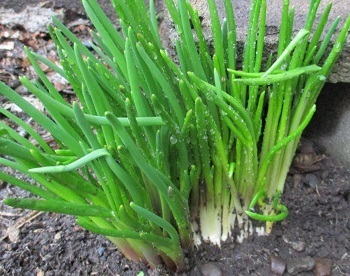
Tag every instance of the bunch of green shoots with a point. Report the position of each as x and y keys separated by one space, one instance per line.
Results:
x=159 y=155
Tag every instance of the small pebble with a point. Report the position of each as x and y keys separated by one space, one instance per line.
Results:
x=22 y=89
x=7 y=45
x=323 y=267
x=312 y=180
x=297 y=180
x=101 y=250
x=278 y=265
x=298 y=246
x=311 y=251
x=210 y=269
x=297 y=265
x=13 y=234
x=39 y=272
x=58 y=236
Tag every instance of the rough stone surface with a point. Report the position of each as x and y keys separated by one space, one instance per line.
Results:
x=70 y=5
x=330 y=126
x=297 y=265
x=278 y=265
x=323 y=267
x=31 y=18
x=341 y=72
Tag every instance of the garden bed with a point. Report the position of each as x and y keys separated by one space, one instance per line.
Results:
x=317 y=230
x=318 y=226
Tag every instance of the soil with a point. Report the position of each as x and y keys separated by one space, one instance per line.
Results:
x=317 y=194
x=318 y=226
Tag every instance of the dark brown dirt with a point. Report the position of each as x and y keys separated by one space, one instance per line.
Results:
x=317 y=194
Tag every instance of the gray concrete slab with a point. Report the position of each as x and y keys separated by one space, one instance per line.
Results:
x=341 y=72
x=330 y=126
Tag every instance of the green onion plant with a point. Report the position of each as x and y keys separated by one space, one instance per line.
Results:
x=161 y=153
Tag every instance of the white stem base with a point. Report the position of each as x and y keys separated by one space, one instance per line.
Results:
x=210 y=224
x=214 y=229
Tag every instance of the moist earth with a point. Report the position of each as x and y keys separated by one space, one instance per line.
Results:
x=316 y=194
